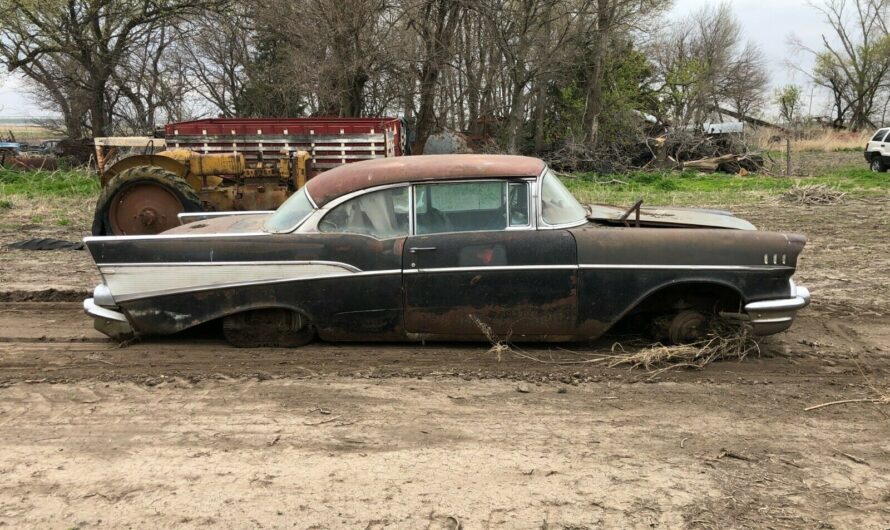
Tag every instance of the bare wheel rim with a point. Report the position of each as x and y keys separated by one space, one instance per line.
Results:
x=688 y=326
x=144 y=208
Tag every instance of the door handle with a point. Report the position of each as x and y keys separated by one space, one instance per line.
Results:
x=415 y=250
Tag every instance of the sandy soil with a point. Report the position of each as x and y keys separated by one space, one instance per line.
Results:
x=188 y=432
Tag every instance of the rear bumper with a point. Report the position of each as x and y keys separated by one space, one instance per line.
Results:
x=108 y=321
x=772 y=316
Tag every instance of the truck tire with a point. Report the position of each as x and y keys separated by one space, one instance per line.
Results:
x=877 y=164
x=143 y=200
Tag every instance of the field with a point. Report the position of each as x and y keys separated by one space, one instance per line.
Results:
x=187 y=431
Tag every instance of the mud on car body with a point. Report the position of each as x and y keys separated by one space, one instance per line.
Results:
x=425 y=247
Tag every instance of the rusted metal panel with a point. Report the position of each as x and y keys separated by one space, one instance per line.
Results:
x=521 y=282
x=362 y=175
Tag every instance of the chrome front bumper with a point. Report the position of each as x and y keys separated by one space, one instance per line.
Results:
x=772 y=316
x=108 y=321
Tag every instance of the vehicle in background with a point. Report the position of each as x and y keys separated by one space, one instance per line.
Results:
x=877 y=151
x=227 y=164
x=445 y=247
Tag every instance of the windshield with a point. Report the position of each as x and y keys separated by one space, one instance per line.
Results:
x=558 y=206
x=290 y=214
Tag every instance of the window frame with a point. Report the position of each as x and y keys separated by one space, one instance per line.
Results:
x=339 y=201
x=506 y=181
x=544 y=225
x=311 y=223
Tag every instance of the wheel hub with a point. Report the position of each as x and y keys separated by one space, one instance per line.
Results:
x=156 y=206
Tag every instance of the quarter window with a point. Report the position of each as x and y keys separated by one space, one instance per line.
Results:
x=879 y=136
x=382 y=214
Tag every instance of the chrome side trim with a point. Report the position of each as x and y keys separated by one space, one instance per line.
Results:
x=249 y=283
x=93 y=239
x=346 y=266
x=684 y=267
x=493 y=268
x=187 y=217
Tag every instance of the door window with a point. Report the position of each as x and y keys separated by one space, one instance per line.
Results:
x=460 y=207
x=879 y=136
x=381 y=214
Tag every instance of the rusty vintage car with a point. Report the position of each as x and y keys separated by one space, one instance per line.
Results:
x=429 y=247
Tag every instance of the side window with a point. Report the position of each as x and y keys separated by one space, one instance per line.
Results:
x=460 y=207
x=381 y=214
x=879 y=136
x=518 y=193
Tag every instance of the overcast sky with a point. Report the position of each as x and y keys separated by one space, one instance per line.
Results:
x=767 y=23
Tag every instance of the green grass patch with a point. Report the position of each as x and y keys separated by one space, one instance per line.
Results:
x=60 y=183
x=691 y=188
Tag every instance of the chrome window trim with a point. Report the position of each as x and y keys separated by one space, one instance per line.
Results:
x=308 y=196
x=542 y=224
x=312 y=225
x=505 y=180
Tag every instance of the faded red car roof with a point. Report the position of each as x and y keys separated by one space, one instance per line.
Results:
x=370 y=173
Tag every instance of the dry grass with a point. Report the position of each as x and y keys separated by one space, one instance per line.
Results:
x=724 y=341
x=813 y=194
x=831 y=141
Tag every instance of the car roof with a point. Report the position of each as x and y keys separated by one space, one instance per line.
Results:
x=357 y=176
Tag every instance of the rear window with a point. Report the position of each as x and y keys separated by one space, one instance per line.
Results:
x=879 y=136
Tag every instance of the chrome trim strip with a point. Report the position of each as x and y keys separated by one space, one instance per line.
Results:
x=685 y=267
x=311 y=200
x=493 y=268
x=165 y=292
x=346 y=266
x=204 y=215
x=95 y=311
x=92 y=239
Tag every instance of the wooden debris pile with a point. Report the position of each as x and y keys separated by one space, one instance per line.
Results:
x=820 y=194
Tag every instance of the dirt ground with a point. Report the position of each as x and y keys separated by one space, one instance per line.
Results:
x=188 y=432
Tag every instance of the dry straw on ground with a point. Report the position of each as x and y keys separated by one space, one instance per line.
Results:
x=813 y=194
x=724 y=341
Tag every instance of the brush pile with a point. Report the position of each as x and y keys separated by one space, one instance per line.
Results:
x=820 y=194
x=724 y=341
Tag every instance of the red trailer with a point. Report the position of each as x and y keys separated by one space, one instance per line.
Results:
x=330 y=142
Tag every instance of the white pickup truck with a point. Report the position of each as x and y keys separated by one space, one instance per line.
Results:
x=877 y=151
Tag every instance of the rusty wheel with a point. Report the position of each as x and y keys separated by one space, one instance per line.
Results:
x=270 y=328
x=688 y=326
x=143 y=200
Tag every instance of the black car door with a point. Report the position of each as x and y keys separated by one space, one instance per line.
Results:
x=475 y=262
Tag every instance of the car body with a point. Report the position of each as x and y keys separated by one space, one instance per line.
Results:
x=439 y=247
x=877 y=150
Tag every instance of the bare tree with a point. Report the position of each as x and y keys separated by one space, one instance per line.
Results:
x=96 y=36
x=853 y=62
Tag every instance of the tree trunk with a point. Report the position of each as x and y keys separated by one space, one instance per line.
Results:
x=539 y=117
x=594 y=80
